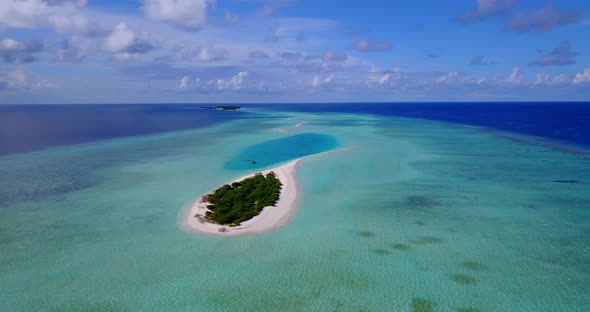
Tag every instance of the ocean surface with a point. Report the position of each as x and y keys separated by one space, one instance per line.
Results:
x=34 y=127
x=289 y=147
x=417 y=207
x=562 y=121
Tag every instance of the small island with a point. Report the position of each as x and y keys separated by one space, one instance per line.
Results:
x=256 y=203
x=241 y=201
x=224 y=108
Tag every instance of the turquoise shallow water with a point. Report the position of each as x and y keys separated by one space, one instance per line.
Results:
x=276 y=151
x=405 y=215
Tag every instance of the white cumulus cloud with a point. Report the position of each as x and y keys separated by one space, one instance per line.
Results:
x=318 y=81
x=544 y=79
x=189 y=14
x=184 y=83
x=583 y=78
x=235 y=83
x=448 y=78
x=515 y=78
x=14 y=79
x=125 y=44
x=238 y=82
x=384 y=79
x=14 y=51
x=62 y=15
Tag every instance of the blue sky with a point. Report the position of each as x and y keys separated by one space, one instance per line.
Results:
x=216 y=51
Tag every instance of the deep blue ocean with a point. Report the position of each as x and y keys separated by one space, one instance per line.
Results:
x=27 y=128
x=561 y=121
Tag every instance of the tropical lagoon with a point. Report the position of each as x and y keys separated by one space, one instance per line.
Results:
x=395 y=214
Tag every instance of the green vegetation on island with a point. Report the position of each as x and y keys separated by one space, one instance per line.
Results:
x=243 y=200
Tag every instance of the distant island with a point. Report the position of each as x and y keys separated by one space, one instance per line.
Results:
x=242 y=200
x=224 y=108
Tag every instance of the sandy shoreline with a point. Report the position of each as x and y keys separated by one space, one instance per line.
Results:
x=270 y=219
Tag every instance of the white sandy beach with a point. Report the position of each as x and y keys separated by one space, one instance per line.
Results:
x=271 y=218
